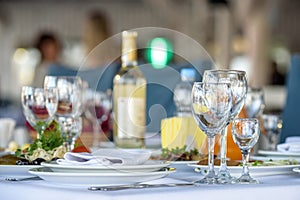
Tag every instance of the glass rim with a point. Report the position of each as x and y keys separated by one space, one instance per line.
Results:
x=57 y=77
x=32 y=87
x=212 y=83
x=231 y=71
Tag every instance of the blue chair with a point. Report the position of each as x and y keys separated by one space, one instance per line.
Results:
x=291 y=112
x=100 y=79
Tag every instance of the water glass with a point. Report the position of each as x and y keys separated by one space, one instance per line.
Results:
x=211 y=105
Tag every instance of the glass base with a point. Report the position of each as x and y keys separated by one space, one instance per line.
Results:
x=245 y=179
x=224 y=177
x=208 y=179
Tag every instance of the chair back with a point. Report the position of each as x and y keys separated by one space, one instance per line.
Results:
x=291 y=112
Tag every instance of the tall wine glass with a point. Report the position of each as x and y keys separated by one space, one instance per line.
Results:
x=39 y=105
x=238 y=83
x=254 y=102
x=211 y=105
x=245 y=133
x=98 y=108
x=69 y=103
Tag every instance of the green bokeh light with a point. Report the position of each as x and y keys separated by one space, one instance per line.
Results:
x=159 y=52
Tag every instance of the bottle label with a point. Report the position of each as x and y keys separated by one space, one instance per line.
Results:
x=131 y=117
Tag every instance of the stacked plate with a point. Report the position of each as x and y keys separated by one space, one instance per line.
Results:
x=88 y=175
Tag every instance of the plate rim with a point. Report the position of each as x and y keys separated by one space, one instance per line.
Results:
x=108 y=167
x=95 y=174
x=278 y=153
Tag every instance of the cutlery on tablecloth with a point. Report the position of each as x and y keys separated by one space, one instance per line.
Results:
x=23 y=179
x=138 y=186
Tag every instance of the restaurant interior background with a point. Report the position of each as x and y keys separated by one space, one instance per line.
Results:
x=254 y=35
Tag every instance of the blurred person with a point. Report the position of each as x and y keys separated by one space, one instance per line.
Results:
x=97 y=30
x=50 y=48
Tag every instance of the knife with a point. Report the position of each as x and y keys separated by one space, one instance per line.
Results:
x=137 y=186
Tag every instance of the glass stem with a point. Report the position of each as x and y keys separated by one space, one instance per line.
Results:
x=245 y=154
x=223 y=149
x=211 y=145
x=97 y=131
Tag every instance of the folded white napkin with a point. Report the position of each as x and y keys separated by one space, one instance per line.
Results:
x=106 y=157
x=292 y=144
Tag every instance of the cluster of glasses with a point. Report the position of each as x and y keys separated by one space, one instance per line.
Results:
x=64 y=99
x=271 y=123
x=216 y=102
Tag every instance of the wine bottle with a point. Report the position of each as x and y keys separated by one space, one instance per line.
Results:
x=129 y=98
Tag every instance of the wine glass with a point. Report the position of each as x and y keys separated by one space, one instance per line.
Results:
x=98 y=110
x=39 y=105
x=245 y=133
x=238 y=84
x=69 y=103
x=272 y=124
x=211 y=105
x=254 y=102
x=70 y=130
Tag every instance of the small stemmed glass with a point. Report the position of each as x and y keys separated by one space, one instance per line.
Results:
x=211 y=105
x=69 y=106
x=254 y=102
x=245 y=134
x=39 y=105
x=238 y=84
x=272 y=123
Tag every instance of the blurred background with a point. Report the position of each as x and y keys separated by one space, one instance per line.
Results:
x=258 y=36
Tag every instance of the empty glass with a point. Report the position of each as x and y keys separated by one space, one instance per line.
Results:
x=39 y=105
x=254 y=102
x=69 y=106
x=238 y=84
x=211 y=105
x=98 y=108
x=272 y=124
x=70 y=130
x=245 y=133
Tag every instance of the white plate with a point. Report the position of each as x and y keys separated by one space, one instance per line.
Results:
x=149 y=166
x=16 y=171
x=92 y=179
x=274 y=158
x=255 y=171
x=278 y=153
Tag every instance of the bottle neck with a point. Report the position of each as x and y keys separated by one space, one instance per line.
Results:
x=129 y=52
x=129 y=59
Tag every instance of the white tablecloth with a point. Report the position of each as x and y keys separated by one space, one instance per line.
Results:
x=281 y=187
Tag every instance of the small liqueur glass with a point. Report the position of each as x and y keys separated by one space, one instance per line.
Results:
x=245 y=133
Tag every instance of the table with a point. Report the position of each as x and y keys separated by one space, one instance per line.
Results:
x=281 y=187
